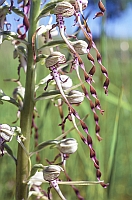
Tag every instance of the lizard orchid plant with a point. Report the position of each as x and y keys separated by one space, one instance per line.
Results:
x=58 y=87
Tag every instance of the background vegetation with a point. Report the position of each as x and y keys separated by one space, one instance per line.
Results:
x=114 y=151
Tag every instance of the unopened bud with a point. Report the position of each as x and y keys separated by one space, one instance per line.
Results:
x=55 y=58
x=64 y=8
x=80 y=46
x=67 y=146
x=51 y=172
x=66 y=81
x=75 y=97
x=6 y=132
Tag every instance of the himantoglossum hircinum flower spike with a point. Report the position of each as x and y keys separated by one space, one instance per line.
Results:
x=65 y=9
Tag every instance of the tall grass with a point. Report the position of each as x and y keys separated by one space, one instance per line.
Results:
x=114 y=151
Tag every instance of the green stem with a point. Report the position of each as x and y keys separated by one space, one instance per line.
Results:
x=22 y=169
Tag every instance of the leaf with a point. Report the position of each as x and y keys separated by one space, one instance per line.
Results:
x=42 y=145
x=1 y=2
x=13 y=8
x=10 y=152
x=53 y=93
x=4 y=97
x=115 y=133
x=48 y=95
x=19 y=1
x=52 y=44
x=47 y=9
x=12 y=35
x=40 y=57
x=35 y=169
x=17 y=11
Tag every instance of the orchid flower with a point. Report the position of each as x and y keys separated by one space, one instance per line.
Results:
x=52 y=62
x=6 y=134
x=51 y=174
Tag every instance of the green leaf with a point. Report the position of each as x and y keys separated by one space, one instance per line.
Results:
x=7 y=10
x=48 y=95
x=17 y=11
x=11 y=36
x=35 y=168
x=4 y=97
x=43 y=145
x=10 y=152
x=4 y=10
x=53 y=93
x=40 y=57
x=52 y=44
x=1 y=2
x=47 y=10
x=19 y=1
x=113 y=148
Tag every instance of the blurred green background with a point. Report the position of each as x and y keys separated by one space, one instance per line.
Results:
x=113 y=152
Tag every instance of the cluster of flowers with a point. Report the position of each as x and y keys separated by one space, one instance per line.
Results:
x=77 y=48
x=68 y=95
x=63 y=82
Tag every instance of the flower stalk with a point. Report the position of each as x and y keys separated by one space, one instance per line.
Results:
x=22 y=169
